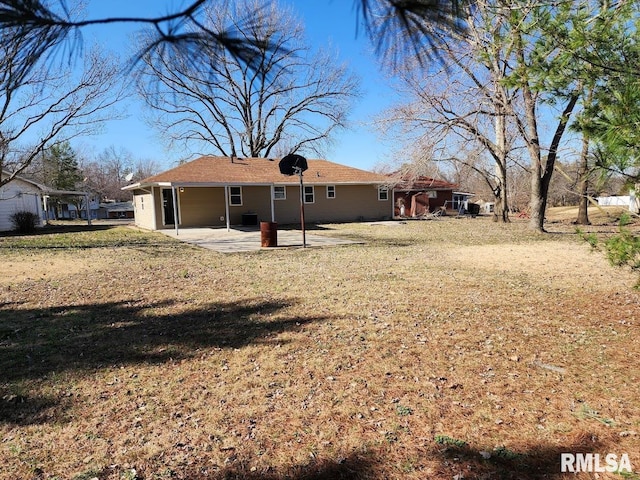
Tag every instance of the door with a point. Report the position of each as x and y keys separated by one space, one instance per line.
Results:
x=167 y=207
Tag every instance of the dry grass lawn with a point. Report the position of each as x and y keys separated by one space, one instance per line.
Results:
x=444 y=349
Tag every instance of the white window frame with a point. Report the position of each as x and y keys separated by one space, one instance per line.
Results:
x=331 y=192
x=383 y=194
x=307 y=189
x=284 y=192
x=232 y=195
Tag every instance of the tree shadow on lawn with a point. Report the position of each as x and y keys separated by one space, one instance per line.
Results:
x=538 y=463
x=36 y=343
x=353 y=467
x=56 y=229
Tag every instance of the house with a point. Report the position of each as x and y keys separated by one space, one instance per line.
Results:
x=221 y=191
x=62 y=210
x=631 y=201
x=22 y=194
x=417 y=196
x=112 y=210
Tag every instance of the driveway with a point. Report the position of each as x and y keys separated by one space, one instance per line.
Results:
x=249 y=239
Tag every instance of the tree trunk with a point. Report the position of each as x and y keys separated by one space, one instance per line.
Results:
x=583 y=179
x=538 y=202
x=501 y=206
x=541 y=175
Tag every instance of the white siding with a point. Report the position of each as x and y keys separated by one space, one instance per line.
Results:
x=622 y=201
x=18 y=196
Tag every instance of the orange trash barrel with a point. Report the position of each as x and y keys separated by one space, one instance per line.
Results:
x=269 y=234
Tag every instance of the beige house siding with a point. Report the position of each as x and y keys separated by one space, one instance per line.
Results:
x=255 y=199
x=201 y=206
x=287 y=211
x=144 y=209
x=205 y=206
x=351 y=203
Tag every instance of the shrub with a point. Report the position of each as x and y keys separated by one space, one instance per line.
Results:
x=24 y=221
x=624 y=248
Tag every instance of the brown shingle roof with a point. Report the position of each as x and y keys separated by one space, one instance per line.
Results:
x=221 y=170
x=425 y=183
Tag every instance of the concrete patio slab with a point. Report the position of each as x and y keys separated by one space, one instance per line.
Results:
x=248 y=240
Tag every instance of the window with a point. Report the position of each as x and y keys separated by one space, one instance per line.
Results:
x=309 y=196
x=235 y=196
x=141 y=203
x=279 y=193
x=383 y=193
x=331 y=191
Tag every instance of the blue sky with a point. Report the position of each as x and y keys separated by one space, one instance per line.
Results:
x=327 y=22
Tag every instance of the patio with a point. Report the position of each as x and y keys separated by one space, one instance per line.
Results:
x=241 y=239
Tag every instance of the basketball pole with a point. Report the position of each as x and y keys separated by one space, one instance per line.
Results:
x=304 y=234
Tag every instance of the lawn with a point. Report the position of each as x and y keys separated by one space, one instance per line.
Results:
x=443 y=349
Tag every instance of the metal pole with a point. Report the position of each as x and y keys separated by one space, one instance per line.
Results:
x=304 y=235
x=273 y=211
x=226 y=207
x=175 y=208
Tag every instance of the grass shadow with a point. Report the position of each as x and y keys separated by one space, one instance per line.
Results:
x=57 y=229
x=536 y=463
x=24 y=410
x=352 y=467
x=37 y=343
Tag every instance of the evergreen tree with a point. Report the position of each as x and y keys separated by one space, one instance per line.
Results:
x=62 y=164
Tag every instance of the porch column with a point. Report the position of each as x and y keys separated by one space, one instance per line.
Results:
x=226 y=207
x=175 y=208
x=88 y=207
x=273 y=211
x=45 y=200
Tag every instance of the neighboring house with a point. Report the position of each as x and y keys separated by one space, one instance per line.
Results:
x=631 y=201
x=113 y=210
x=221 y=191
x=68 y=211
x=615 y=200
x=421 y=195
x=20 y=195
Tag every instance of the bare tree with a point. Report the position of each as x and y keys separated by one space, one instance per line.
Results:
x=44 y=106
x=464 y=98
x=212 y=99
x=112 y=169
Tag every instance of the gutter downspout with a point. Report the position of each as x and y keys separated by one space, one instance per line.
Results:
x=226 y=206
x=175 y=209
